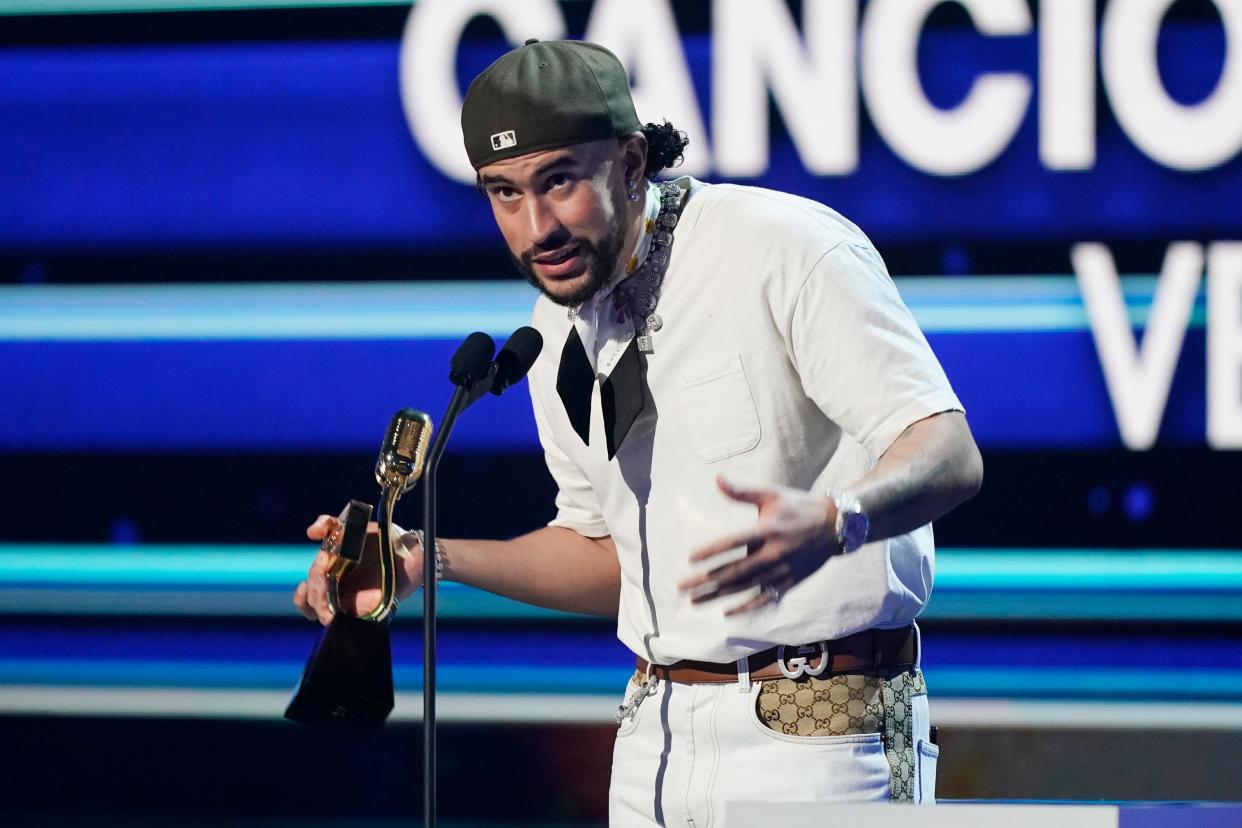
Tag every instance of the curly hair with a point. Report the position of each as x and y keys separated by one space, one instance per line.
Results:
x=665 y=147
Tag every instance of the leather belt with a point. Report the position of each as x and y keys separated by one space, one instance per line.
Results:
x=869 y=651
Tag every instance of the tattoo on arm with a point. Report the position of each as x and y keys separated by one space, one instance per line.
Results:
x=917 y=480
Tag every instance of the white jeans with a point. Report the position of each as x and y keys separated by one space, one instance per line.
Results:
x=690 y=748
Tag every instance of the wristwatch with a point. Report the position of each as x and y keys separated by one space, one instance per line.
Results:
x=852 y=522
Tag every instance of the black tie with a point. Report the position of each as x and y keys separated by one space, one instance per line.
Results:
x=622 y=393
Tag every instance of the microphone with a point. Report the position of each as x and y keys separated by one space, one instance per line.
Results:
x=516 y=357
x=472 y=359
x=511 y=364
x=404 y=451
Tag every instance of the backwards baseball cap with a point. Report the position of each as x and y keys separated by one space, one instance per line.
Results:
x=543 y=95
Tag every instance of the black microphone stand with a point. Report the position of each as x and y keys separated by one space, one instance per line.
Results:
x=456 y=404
x=474 y=373
x=463 y=395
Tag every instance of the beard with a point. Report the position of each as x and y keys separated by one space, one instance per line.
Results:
x=600 y=260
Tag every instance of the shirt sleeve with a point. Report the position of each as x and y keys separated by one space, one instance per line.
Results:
x=577 y=507
x=860 y=353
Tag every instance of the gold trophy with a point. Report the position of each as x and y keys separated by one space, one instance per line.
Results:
x=347 y=683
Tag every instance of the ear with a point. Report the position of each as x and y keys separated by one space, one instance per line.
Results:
x=634 y=156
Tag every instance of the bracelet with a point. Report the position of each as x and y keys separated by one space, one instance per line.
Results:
x=439 y=553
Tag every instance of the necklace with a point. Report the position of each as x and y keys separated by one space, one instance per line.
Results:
x=637 y=296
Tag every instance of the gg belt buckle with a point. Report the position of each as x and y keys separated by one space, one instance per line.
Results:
x=800 y=665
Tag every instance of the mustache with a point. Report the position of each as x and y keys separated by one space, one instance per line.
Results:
x=528 y=256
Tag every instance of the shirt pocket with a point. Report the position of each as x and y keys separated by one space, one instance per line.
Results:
x=719 y=409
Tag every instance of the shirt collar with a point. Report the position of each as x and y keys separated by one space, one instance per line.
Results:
x=604 y=337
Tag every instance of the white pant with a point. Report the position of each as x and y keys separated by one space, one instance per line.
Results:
x=690 y=748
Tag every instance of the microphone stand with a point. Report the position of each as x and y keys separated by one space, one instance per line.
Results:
x=463 y=395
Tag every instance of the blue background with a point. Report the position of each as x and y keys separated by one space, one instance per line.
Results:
x=305 y=143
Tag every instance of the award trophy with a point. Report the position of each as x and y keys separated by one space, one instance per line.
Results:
x=347 y=683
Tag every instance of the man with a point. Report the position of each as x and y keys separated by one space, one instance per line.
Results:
x=750 y=437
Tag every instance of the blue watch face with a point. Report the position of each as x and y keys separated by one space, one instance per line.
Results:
x=854 y=530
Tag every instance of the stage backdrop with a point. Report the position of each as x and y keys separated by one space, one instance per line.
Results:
x=236 y=235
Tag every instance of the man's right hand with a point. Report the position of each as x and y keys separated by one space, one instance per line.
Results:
x=359 y=592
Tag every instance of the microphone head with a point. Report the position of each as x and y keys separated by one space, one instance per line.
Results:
x=404 y=450
x=472 y=359
x=516 y=357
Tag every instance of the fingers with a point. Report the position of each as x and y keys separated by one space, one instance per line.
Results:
x=742 y=493
x=742 y=576
x=712 y=577
x=769 y=595
x=300 y=601
x=317 y=596
x=319 y=530
x=761 y=600
x=751 y=537
x=311 y=596
x=319 y=564
x=783 y=547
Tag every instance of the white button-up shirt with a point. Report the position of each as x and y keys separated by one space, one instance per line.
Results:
x=785 y=357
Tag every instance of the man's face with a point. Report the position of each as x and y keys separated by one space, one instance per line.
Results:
x=562 y=214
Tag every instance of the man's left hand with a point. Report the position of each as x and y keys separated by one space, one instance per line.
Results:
x=793 y=537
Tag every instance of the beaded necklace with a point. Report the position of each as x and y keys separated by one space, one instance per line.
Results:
x=637 y=296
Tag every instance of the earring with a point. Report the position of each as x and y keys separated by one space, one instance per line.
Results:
x=633 y=185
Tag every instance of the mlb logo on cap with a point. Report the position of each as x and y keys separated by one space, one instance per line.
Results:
x=504 y=140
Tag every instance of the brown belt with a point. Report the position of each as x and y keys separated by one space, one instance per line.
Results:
x=869 y=651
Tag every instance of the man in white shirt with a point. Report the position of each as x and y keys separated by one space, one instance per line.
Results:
x=750 y=438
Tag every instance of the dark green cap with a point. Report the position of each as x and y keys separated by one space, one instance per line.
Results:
x=543 y=95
